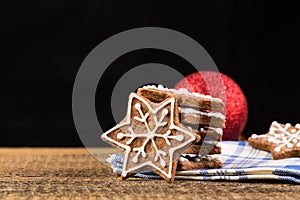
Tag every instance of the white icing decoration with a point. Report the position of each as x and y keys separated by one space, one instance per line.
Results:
x=185 y=137
x=208 y=114
x=294 y=140
x=277 y=149
x=283 y=137
x=254 y=136
x=293 y=130
x=219 y=131
x=289 y=145
x=182 y=159
x=150 y=135
x=218 y=144
x=276 y=141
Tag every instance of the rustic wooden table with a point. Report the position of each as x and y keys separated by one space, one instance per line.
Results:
x=73 y=173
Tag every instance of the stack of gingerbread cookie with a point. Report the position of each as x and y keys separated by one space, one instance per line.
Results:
x=202 y=115
x=166 y=130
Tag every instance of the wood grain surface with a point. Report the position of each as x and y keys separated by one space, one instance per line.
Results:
x=73 y=173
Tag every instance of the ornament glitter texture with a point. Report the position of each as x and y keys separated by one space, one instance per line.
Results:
x=221 y=86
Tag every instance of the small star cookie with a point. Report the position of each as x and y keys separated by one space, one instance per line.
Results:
x=151 y=137
x=282 y=140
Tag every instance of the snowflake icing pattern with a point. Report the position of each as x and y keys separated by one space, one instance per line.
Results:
x=150 y=135
x=125 y=130
x=282 y=136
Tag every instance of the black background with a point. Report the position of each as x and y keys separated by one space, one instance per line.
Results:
x=44 y=43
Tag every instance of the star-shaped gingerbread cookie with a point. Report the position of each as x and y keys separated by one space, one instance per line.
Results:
x=150 y=136
x=282 y=140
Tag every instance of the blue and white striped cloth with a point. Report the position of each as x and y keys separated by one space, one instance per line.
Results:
x=240 y=162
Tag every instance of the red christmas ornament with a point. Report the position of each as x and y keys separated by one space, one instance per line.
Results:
x=221 y=86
